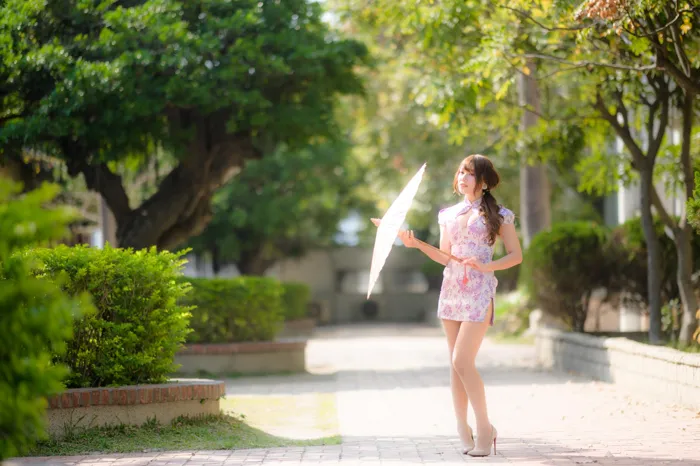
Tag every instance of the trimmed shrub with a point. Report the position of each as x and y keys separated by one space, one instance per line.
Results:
x=564 y=265
x=237 y=309
x=138 y=324
x=35 y=318
x=295 y=300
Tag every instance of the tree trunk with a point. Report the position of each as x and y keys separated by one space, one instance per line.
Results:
x=215 y=259
x=684 y=251
x=683 y=235
x=534 y=184
x=653 y=255
x=181 y=207
x=253 y=263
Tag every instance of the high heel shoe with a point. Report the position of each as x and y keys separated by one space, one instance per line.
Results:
x=486 y=451
x=468 y=444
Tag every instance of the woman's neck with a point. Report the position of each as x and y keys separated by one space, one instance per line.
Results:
x=471 y=197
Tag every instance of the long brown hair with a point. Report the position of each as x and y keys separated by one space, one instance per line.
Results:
x=486 y=176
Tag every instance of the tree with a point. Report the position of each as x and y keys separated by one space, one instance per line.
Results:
x=664 y=36
x=215 y=83
x=655 y=94
x=469 y=56
x=280 y=206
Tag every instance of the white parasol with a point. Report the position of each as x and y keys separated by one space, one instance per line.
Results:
x=388 y=228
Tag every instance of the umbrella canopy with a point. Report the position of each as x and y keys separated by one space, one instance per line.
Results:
x=389 y=227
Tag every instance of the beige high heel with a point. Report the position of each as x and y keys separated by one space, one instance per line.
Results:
x=468 y=444
x=486 y=451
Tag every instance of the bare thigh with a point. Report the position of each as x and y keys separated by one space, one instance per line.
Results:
x=469 y=339
x=451 y=328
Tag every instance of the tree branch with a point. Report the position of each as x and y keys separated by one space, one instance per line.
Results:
x=662 y=99
x=663 y=214
x=686 y=160
x=101 y=179
x=680 y=53
x=529 y=17
x=587 y=63
x=623 y=132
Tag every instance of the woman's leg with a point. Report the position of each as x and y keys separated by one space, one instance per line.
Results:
x=459 y=395
x=467 y=345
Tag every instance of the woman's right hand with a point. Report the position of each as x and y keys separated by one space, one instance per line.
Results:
x=408 y=239
x=406 y=236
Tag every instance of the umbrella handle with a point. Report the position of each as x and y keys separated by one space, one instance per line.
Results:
x=465 y=280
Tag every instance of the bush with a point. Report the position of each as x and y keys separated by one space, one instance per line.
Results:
x=564 y=265
x=295 y=300
x=138 y=325
x=35 y=318
x=235 y=310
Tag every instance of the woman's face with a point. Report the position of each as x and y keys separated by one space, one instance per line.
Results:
x=466 y=181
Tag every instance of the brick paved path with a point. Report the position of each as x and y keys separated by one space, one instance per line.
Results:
x=394 y=407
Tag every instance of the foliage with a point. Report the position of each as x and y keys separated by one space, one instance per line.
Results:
x=446 y=86
x=35 y=320
x=633 y=274
x=138 y=326
x=235 y=310
x=215 y=83
x=564 y=265
x=295 y=300
x=694 y=204
x=280 y=206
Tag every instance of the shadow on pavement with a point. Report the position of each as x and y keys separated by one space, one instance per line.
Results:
x=358 y=380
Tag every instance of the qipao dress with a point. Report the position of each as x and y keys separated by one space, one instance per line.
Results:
x=467 y=302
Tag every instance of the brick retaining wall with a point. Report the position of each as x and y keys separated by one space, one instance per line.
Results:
x=655 y=371
x=89 y=407
x=245 y=358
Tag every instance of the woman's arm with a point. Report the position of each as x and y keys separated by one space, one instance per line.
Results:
x=514 y=254
x=438 y=255
x=410 y=241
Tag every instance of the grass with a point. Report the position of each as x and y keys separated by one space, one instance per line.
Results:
x=245 y=422
x=691 y=348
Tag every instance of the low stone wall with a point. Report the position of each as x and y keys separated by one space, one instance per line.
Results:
x=134 y=405
x=658 y=372
x=298 y=328
x=243 y=358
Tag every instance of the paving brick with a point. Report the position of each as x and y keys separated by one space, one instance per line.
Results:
x=392 y=394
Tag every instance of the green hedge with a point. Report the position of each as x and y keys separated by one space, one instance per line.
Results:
x=295 y=300
x=138 y=324
x=235 y=309
x=36 y=318
x=564 y=265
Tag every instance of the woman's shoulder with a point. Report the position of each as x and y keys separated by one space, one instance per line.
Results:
x=448 y=212
x=507 y=214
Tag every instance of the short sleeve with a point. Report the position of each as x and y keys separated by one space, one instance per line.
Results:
x=441 y=217
x=508 y=216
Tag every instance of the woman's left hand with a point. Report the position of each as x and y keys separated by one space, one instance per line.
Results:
x=474 y=263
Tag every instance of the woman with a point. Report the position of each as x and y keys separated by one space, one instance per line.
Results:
x=468 y=231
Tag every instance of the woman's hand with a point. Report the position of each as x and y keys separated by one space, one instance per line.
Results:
x=474 y=263
x=408 y=239
x=406 y=236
